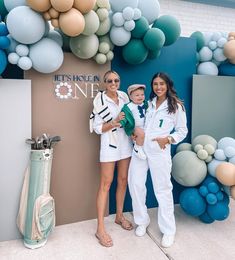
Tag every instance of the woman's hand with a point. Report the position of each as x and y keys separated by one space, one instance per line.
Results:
x=162 y=141
x=120 y=117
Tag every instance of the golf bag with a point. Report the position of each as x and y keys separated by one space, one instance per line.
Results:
x=36 y=217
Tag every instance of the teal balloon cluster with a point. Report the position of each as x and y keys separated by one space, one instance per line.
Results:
x=147 y=42
x=4 y=44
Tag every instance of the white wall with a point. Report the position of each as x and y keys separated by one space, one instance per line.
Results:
x=199 y=17
x=15 y=127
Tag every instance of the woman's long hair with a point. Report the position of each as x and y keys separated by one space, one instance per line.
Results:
x=171 y=94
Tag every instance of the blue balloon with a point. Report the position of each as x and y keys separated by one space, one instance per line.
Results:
x=220 y=195
x=213 y=187
x=227 y=69
x=211 y=199
x=205 y=218
x=4 y=42
x=219 y=211
x=3 y=61
x=3 y=30
x=203 y=190
x=192 y=202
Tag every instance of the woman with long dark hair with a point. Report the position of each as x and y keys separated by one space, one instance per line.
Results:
x=165 y=124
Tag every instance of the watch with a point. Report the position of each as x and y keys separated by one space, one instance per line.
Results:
x=170 y=139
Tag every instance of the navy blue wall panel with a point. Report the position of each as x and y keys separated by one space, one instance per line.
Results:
x=179 y=61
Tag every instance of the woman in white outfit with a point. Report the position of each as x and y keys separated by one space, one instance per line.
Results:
x=115 y=149
x=165 y=124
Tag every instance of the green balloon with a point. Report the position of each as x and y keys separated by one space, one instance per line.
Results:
x=154 y=54
x=134 y=52
x=3 y=10
x=154 y=39
x=170 y=27
x=84 y=47
x=199 y=39
x=141 y=27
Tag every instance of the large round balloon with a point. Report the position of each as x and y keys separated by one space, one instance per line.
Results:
x=134 y=52
x=39 y=6
x=141 y=27
x=3 y=61
x=200 y=41
x=84 y=47
x=192 y=202
x=204 y=140
x=72 y=22
x=219 y=211
x=225 y=173
x=170 y=27
x=84 y=6
x=119 y=36
x=46 y=55
x=154 y=39
x=10 y=4
x=150 y=9
x=25 y=25
x=62 y=6
x=227 y=69
x=92 y=23
x=207 y=68
x=187 y=169
x=119 y=5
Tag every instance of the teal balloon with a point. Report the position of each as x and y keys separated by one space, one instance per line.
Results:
x=205 y=218
x=3 y=10
x=170 y=27
x=200 y=41
x=154 y=39
x=153 y=54
x=134 y=52
x=219 y=211
x=141 y=27
x=3 y=61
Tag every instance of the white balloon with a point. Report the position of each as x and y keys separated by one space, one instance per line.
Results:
x=22 y=50
x=207 y=68
x=205 y=54
x=46 y=55
x=25 y=25
x=218 y=54
x=128 y=13
x=118 y=19
x=129 y=25
x=13 y=58
x=25 y=63
x=150 y=9
x=10 y=4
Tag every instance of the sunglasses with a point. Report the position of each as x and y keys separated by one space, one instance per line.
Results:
x=113 y=80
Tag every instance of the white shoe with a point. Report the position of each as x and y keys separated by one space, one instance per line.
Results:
x=141 y=230
x=167 y=240
x=139 y=152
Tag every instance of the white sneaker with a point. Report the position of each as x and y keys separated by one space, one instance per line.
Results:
x=167 y=240
x=141 y=230
x=139 y=152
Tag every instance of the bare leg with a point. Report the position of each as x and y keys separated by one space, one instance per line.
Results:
x=123 y=166
x=106 y=178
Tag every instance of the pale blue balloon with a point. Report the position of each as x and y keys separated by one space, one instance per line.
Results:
x=207 y=68
x=119 y=36
x=211 y=167
x=216 y=36
x=10 y=4
x=207 y=37
x=119 y=5
x=225 y=142
x=13 y=58
x=218 y=55
x=128 y=13
x=229 y=151
x=22 y=50
x=47 y=56
x=118 y=19
x=137 y=14
x=212 y=45
x=25 y=63
x=205 y=54
x=219 y=155
x=129 y=25
x=232 y=160
x=221 y=42
x=25 y=25
x=150 y=9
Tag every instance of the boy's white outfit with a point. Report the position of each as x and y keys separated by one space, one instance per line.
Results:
x=114 y=144
x=158 y=123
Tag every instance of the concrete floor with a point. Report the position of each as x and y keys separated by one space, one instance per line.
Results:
x=194 y=241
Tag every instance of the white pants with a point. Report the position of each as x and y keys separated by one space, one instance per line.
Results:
x=159 y=163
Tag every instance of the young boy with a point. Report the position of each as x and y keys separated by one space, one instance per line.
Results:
x=133 y=123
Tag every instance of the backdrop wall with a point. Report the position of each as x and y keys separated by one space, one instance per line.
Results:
x=179 y=61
